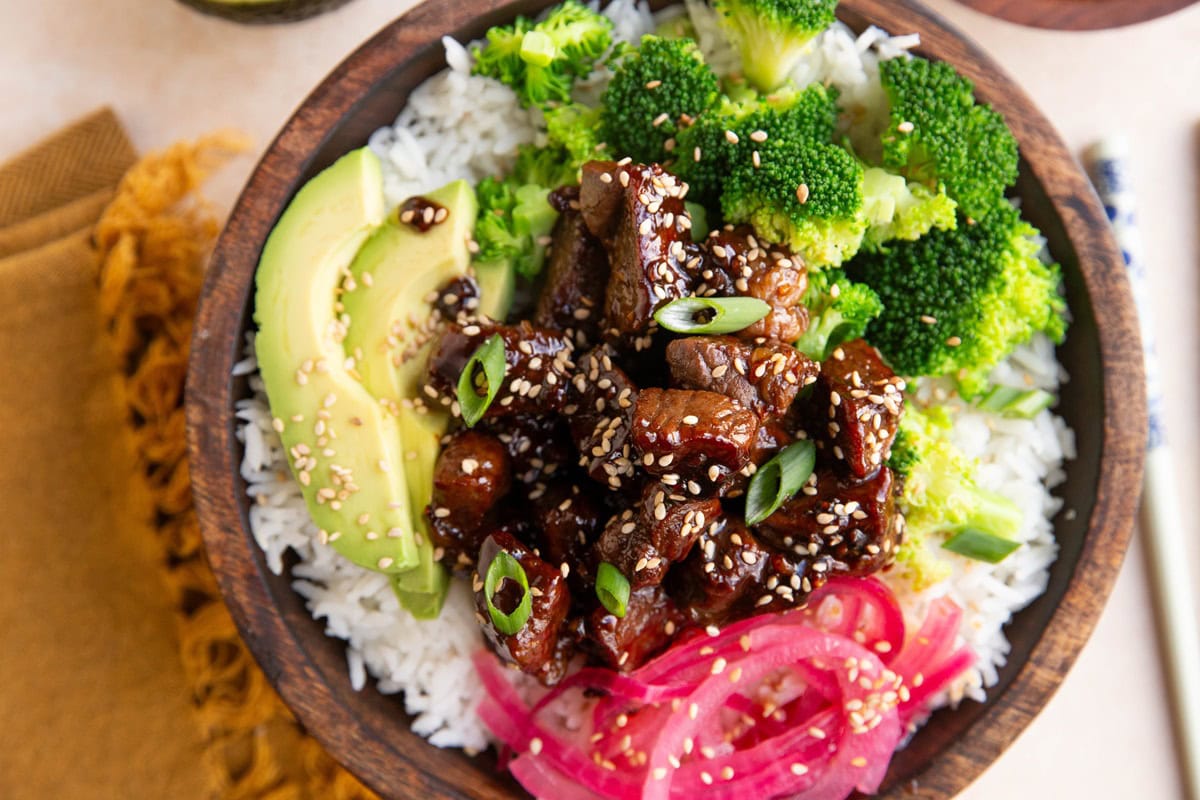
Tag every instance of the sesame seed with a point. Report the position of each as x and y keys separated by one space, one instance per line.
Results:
x=816 y=733
x=756 y=160
x=859 y=761
x=691 y=419
x=606 y=177
x=660 y=119
x=928 y=320
x=708 y=779
x=802 y=193
x=660 y=773
x=905 y=127
x=731 y=137
x=799 y=769
x=718 y=666
x=653 y=84
x=386 y=562
x=693 y=711
x=535 y=745
x=954 y=341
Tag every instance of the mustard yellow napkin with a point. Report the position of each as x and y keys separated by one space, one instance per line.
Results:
x=93 y=698
x=121 y=673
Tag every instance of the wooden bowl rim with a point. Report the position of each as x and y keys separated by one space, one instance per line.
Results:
x=1078 y=15
x=217 y=346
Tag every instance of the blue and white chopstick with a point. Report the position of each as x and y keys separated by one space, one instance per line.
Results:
x=1163 y=527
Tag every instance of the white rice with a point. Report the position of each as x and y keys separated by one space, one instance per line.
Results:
x=457 y=125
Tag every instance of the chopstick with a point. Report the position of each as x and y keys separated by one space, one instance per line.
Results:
x=1161 y=522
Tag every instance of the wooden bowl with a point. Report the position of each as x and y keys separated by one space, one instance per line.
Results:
x=1104 y=403
x=1078 y=15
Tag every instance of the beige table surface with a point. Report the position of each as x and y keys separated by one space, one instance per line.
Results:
x=171 y=73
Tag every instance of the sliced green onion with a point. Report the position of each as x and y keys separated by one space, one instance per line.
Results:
x=711 y=314
x=778 y=479
x=981 y=545
x=1012 y=402
x=612 y=588
x=505 y=566
x=537 y=49
x=490 y=356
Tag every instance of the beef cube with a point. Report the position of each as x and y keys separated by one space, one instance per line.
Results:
x=842 y=525
x=458 y=299
x=754 y=269
x=858 y=401
x=723 y=575
x=772 y=437
x=696 y=440
x=472 y=473
x=650 y=623
x=538 y=364
x=763 y=378
x=643 y=542
x=567 y=521
x=575 y=281
x=539 y=445
x=637 y=212
x=535 y=647
x=600 y=413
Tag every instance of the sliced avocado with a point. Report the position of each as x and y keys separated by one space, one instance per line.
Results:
x=343 y=447
x=497 y=280
x=386 y=302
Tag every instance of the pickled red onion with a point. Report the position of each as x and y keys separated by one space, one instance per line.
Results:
x=810 y=704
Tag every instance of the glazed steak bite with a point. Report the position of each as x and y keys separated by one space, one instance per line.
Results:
x=692 y=439
x=534 y=648
x=539 y=445
x=637 y=212
x=473 y=472
x=852 y=526
x=600 y=411
x=576 y=276
x=644 y=541
x=764 y=378
x=856 y=407
x=723 y=573
x=567 y=519
x=650 y=623
x=538 y=366
x=739 y=264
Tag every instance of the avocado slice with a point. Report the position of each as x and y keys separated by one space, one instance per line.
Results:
x=497 y=281
x=344 y=448
x=386 y=301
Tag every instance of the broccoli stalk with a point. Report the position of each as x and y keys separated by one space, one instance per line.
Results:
x=941 y=496
x=956 y=302
x=838 y=312
x=897 y=209
x=772 y=35
x=541 y=61
x=939 y=136
x=656 y=90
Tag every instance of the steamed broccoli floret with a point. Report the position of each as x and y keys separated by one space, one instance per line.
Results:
x=938 y=134
x=957 y=302
x=515 y=215
x=656 y=90
x=838 y=312
x=806 y=195
x=541 y=61
x=772 y=35
x=707 y=152
x=548 y=167
x=941 y=496
x=897 y=209
x=574 y=129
